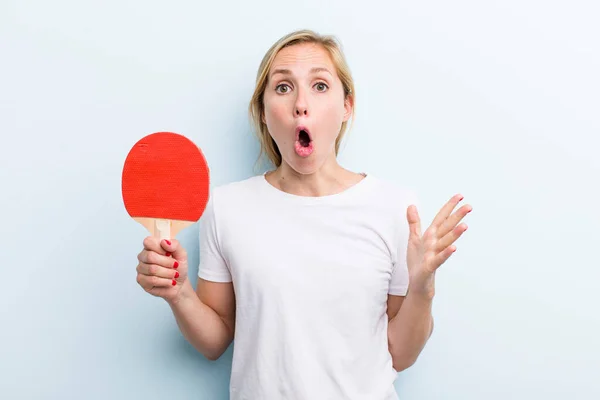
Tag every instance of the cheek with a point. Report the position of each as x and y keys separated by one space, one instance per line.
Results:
x=332 y=114
x=275 y=113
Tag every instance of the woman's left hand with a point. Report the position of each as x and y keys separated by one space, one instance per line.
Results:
x=427 y=252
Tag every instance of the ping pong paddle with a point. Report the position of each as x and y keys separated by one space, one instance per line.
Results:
x=165 y=183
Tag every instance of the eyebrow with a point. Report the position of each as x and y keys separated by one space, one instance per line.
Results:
x=285 y=71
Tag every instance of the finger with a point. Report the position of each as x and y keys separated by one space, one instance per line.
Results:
x=454 y=219
x=153 y=244
x=157 y=270
x=446 y=210
x=152 y=257
x=414 y=221
x=149 y=282
x=174 y=247
x=450 y=238
x=443 y=256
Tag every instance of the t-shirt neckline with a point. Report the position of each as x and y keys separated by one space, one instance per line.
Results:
x=315 y=199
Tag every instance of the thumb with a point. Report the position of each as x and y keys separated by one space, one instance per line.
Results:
x=174 y=247
x=414 y=221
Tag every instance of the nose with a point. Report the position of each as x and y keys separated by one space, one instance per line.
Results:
x=301 y=104
x=301 y=111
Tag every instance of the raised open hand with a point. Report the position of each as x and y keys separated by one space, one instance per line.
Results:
x=427 y=252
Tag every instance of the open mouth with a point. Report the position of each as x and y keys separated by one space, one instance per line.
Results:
x=303 y=136
x=303 y=145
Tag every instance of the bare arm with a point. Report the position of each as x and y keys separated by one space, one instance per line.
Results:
x=410 y=326
x=206 y=317
x=411 y=322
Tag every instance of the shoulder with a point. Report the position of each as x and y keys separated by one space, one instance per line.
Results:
x=236 y=191
x=394 y=200
x=391 y=194
x=233 y=195
x=225 y=199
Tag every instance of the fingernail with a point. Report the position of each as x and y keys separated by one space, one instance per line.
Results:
x=168 y=254
x=168 y=242
x=176 y=274
x=176 y=265
x=174 y=282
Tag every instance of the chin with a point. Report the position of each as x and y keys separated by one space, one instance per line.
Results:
x=304 y=165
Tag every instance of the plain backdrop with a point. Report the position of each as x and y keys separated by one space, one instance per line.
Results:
x=497 y=100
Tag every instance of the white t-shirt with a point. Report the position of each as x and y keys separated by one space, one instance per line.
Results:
x=311 y=277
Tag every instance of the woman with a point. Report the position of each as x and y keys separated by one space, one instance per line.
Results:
x=307 y=266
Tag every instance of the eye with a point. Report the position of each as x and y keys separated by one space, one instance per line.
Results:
x=279 y=88
x=321 y=87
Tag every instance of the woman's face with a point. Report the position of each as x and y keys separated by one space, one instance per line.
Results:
x=305 y=106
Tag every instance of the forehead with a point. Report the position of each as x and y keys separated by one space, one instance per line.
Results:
x=303 y=55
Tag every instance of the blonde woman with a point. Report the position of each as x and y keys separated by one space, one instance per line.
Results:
x=307 y=267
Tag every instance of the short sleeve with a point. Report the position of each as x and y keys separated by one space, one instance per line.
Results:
x=399 y=281
x=212 y=265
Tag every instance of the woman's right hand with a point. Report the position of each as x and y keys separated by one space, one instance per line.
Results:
x=162 y=268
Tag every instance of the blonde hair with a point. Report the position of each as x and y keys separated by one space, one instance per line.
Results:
x=330 y=43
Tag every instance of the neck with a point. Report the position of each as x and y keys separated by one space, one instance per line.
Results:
x=329 y=179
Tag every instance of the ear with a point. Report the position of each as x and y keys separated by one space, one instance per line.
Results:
x=348 y=106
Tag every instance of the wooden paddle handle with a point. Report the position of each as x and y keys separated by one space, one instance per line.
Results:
x=162 y=229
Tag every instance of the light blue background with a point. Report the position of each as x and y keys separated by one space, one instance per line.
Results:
x=498 y=100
